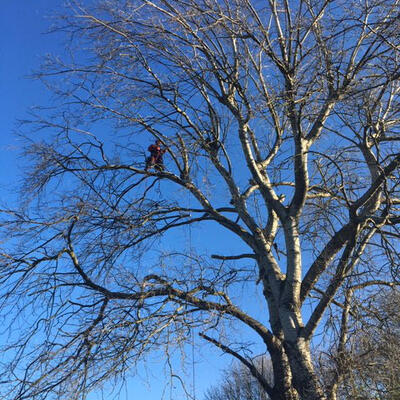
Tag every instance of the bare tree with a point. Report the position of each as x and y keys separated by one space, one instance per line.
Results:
x=238 y=383
x=370 y=361
x=376 y=359
x=281 y=123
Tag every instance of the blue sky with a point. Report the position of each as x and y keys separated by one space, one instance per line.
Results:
x=23 y=43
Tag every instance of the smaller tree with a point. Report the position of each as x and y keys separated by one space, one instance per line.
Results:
x=375 y=372
x=366 y=364
x=237 y=383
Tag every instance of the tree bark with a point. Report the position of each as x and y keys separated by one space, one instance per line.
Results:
x=283 y=387
x=304 y=377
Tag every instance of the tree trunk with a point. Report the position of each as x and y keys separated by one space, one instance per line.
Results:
x=283 y=387
x=303 y=375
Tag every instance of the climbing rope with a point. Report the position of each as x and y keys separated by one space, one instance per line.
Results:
x=192 y=328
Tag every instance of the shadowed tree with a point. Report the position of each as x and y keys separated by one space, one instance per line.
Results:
x=377 y=359
x=369 y=361
x=281 y=123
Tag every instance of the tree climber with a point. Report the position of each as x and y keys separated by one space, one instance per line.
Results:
x=212 y=143
x=156 y=156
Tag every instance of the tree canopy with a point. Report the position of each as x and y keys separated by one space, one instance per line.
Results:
x=280 y=122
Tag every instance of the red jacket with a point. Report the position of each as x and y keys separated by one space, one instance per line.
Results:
x=156 y=150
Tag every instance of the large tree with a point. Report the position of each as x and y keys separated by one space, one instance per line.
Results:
x=281 y=122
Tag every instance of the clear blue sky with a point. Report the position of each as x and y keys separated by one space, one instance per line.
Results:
x=23 y=42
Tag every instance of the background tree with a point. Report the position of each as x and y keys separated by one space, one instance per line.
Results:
x=281 y=122
x=238 y=383
x=370 y=356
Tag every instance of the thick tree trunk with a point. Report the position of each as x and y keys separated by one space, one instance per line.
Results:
x=294 y=375
x=304 y=378
x=283 y=386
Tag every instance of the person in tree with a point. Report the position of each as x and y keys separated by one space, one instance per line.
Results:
x=156 y=156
